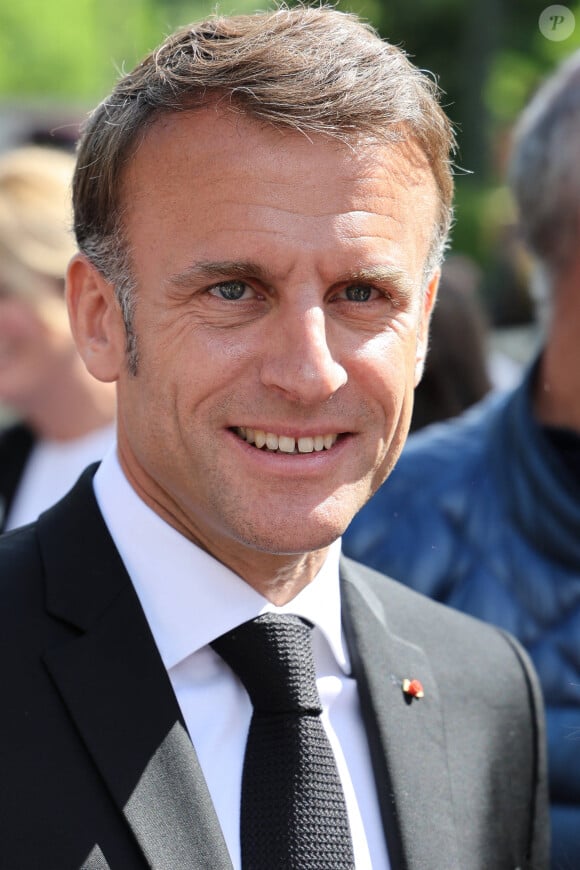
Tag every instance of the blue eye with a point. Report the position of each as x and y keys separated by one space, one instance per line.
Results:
x=358 y=292
x=230 y=290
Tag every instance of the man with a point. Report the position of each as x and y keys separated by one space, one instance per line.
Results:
x=65 y=417
x=260 y=207
x=483 y=513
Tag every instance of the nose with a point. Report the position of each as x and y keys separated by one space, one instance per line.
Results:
x=299 y=361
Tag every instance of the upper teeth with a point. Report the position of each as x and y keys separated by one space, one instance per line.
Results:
x=286 y=443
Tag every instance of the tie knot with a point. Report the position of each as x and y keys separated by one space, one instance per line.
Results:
x=272 y=656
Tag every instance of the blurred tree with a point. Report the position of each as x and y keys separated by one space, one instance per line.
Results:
x=66 y=49
x=488 y=56
x=70 y=48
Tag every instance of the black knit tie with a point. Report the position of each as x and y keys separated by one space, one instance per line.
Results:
x=293 y=813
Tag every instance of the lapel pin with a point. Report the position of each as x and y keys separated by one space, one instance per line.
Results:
x=413 y=688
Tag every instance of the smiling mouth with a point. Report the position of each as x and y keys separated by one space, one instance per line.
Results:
x=273 y=443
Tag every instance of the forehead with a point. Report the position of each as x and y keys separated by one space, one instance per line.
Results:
x=214 y=174
x=199 y=139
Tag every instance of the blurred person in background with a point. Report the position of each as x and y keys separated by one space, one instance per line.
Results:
x=483 y=513
x=456 y=374
x=64 y=417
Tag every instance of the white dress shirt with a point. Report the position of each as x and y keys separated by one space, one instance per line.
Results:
x=189 y=599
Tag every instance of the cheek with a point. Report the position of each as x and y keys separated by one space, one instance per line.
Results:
x=234 y=348
x=386 y=366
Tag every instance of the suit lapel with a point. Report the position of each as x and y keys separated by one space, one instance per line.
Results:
x=114 y=684
x=406 y=738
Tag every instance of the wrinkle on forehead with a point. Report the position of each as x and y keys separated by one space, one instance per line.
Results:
x=214 y=128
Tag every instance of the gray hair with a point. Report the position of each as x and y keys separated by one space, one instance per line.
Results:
x=545 y=169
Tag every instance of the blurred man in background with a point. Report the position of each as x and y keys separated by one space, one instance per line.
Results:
x=483 y=513
x=64 y=416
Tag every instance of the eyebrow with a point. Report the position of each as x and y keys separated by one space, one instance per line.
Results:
x=397 y=278
x=245 y=269
x=209 y=270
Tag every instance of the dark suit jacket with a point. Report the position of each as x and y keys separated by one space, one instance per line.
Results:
x=16 y=443
x=97 y=769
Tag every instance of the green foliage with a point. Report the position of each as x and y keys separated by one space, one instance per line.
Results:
x=75 y=49
x=488 y=56
x=67 y=48
x=512 y=78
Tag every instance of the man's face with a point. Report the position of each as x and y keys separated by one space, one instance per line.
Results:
x=280 y=299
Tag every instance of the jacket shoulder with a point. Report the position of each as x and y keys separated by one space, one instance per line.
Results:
x=425 y=621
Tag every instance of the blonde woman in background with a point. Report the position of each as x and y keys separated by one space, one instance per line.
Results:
x=64 y=417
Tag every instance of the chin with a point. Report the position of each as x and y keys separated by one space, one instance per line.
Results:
x=294 y=537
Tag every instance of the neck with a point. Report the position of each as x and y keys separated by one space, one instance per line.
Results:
x=281 y=578
x=558 y=385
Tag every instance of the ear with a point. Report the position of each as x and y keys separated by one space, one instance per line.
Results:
x=427 y=305
x=96 y=320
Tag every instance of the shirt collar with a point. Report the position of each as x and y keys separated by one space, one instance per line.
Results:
x=182 y=589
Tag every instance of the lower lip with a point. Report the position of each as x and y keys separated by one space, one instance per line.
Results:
x=293 y=464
